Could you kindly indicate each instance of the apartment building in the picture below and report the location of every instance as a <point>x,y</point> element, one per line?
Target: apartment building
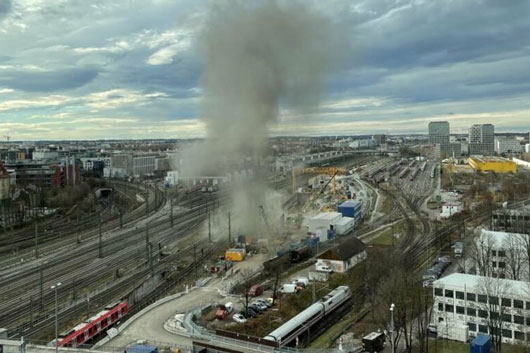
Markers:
<point>482,139</point>
<point>484,305</point>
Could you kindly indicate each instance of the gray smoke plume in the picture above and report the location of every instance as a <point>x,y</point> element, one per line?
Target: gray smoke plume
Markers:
<point>259,56</point>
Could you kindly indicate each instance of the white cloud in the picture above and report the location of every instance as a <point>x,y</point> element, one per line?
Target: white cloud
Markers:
<point>6,90</point>
<point>164,56</point>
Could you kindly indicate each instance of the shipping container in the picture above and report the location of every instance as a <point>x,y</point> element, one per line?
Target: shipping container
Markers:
<point>481,344</point>
<point>235,254</point>
<point>142,348</point>
<point>349,208</point>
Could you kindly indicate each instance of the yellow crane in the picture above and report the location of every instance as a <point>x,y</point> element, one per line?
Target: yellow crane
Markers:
<point>331,171</point>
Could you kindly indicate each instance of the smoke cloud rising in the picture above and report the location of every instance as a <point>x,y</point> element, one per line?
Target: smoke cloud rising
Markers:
<point>259,57</point>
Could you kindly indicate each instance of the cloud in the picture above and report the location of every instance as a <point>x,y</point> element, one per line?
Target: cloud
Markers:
<point>48,81</point>
<point>5,8</point>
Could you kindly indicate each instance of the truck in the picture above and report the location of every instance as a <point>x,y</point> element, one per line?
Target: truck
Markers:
<point>374,342</point>
<point>458,248</point>
<point>255,290</point>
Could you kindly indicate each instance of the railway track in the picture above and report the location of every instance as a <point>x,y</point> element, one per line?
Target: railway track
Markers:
<point>69,270</point>
<point>67,232</point>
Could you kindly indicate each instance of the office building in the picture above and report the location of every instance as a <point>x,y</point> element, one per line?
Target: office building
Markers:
<point>439,138</point>
<point>475,301</point>
<point>507,145</point>
<point>482,139</point>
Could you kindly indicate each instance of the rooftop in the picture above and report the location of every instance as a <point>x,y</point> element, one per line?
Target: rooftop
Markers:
<point>467,281</point>
<point>490,159</point>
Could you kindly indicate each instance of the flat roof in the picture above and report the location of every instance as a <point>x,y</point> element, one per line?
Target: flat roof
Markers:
<point>489,159</point>
<point>468,281</point>
<point>327,215</point>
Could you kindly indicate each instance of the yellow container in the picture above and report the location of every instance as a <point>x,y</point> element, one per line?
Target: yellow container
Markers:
<point>235,255</point>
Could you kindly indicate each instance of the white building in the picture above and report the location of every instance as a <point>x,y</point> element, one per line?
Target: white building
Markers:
<point>504,254</point>
<point>88,163</point>
<point>451,208</point>
<point>44,154</point>
<point>477,302</point>
<point>507,145</point>
<point>521,163</point>
<point>343,257</point>
<point>364,143</point>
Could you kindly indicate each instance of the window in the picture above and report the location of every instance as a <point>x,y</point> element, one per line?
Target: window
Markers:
<point>449,308</point>
<point>506,317</point>
<point>527,305</point>
<point>501,253</point>
<point>440,307</point>
<point>460,310</point>
<point>502,264</point>
<point>471,297</point>
<point>494,252</point>
<point>507,333</point>
<point>459,295</point>
<point>506,302</point>
<point>440,319</point>
<point>518,335</point>
<point>484,299</point>
<point>483,314</point>
<point>449,293</point>
<point>528,321</point>
<point>471,312</point>
<point>438,292</point>
<point>494,315</point>
<point>494,300</point>
<point>494,264</point>
<point>483,328</point>
<point>518,320</point>
<point>518,304</point>
<point>472,326</point>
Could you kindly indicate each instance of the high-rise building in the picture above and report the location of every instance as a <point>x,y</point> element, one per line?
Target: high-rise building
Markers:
<point>482,139</point>
<point>439,137</point>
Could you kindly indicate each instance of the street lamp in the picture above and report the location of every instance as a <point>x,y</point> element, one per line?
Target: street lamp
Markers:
<point>55,287</point>
<point>392,306</point>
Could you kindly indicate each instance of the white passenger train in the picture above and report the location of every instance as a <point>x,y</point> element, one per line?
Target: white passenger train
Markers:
<point>303,321</point>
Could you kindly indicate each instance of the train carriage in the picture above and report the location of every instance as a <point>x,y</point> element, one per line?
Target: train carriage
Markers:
<point>87,330</point>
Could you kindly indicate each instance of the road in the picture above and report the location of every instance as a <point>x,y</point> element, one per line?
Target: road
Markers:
<point>150,326</point>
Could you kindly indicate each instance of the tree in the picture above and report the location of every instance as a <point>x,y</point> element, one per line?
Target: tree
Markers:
<point>482,253</point>
<point>496,290</point>
<point>516,255</point>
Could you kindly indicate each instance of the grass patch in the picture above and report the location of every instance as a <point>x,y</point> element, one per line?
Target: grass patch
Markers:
<point>386,205</point>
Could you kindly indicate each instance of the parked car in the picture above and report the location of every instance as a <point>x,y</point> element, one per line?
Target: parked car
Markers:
<point>239,318</point>
<point>264,301</point>
<point>256,308</point>
<point>290,288</point>
<point>255,290</point>
<point>298,284</point>
<point>323,268</point>
<point>250,313</point>
<point>221,313</point>
<point>260,305</point>
<point>446,259</point>
<point>303,280</point>
<point>229,307</point>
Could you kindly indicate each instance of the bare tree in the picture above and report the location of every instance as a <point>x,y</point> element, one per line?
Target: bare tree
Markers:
<point>495,290</point>
<point>516,255</point>
<point>482,253</point>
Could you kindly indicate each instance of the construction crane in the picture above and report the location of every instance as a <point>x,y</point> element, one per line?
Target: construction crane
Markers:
<point>331,171</point>
<point>7,136</point>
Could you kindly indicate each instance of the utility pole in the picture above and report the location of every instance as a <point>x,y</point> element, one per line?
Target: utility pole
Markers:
<point>146,200</point>
<point>392,328</point>
<point>150,252</point>
<point>31,311</point>
<point>73,290</point>
<point>229,230</point>
<point>209,228</point>
<point>36,240</point>
<point>41,277</point>
<point>171,211</point>
<point>77,227</point>
<point>195,259</point>
<point>121,217</point>
<point>147,241</point>
<point>100,238</point>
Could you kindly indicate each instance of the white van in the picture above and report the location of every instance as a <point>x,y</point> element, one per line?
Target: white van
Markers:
<point>229,307</point>
<point>323,268</point>
<point>303,280</point>
<point>288,288</point>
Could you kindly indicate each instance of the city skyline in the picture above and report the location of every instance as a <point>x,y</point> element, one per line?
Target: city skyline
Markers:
<point>139,76</point>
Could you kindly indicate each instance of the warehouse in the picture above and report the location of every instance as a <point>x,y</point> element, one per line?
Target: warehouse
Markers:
<point>344,256</point>
<point>462,307</point>
<point>492,164</point>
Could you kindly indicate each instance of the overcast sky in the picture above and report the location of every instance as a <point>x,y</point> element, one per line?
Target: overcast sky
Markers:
<point>90,69</point>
